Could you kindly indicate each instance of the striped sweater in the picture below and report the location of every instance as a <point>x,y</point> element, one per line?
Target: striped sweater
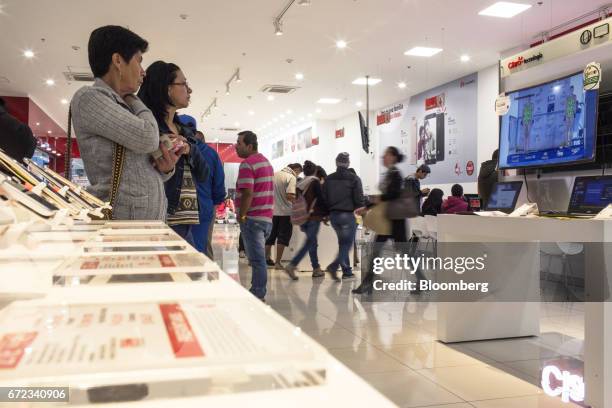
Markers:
<point>256,173</point>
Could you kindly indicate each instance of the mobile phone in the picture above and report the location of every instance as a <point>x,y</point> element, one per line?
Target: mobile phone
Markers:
<point>167,142</point>
<point>440,140</point>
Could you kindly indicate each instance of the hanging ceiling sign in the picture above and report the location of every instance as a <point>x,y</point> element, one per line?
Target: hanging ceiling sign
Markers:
<point>591,36</point>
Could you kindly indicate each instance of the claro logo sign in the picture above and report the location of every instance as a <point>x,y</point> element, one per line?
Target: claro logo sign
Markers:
<point>522,60</point>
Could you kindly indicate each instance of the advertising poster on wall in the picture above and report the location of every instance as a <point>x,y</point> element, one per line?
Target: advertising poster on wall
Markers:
<point>278,149</point>
<point>437,128</point>
<point>293,143</point>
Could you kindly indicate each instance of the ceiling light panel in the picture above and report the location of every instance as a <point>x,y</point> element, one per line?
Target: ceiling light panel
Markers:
<point>370,81</point>
<point>504,9</point>
<point>423,51</point>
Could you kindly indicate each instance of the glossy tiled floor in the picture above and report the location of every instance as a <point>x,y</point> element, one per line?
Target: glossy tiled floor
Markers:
<point>393,347</point>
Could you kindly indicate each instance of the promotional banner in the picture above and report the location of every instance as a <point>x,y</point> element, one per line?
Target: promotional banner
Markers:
<point>437,128</point>
<point>295,142</point>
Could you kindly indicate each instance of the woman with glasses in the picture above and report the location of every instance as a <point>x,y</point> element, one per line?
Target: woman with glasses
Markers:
<point>165,90</point>
<point>113,126</point>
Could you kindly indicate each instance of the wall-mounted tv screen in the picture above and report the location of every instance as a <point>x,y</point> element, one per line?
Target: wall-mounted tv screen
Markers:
<point>550,124</point>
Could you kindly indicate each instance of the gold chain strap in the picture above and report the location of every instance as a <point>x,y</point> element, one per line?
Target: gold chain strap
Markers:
<point>118,159</point>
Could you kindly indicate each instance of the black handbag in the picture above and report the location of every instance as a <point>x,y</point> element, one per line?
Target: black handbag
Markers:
<point>406,206</point>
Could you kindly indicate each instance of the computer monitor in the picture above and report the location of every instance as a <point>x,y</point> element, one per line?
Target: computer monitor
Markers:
<point>590,194</point>
<point>550,124</point>
<point>474,202</point>
<point>504,196</point>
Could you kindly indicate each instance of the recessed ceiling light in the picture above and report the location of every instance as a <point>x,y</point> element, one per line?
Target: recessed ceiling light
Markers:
<point>53,151</point>
<point>358,103</point>
<point>251,113</point>
<point>237,124</point>
<point>28,54</point>
<point>465,58</point>
<point>37,123</point>
<point>370,81</point>
<point>318,110</point>
<point>423,51</point>
<point>329,101</point>
<point>504,9</point>
<point>401,85</point>
<point>270,97</point>
<point>299,76</point>
<point>50,82</point>
<point>48,131</point>
<point>59,154</point>
<point>64,101</point>
<point>341,44</point>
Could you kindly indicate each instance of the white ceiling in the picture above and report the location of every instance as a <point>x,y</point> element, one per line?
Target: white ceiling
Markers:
<point>219,36</point>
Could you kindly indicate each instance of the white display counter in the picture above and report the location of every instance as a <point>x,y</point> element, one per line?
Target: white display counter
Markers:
<point>491,320</point>
<point>240,361</point>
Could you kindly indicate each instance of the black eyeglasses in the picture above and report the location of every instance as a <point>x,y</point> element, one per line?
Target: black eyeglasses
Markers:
<point>185,84</point>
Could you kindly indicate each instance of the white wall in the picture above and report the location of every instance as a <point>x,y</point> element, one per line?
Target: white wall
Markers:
<point>368,166</point>
<point>487,130</point>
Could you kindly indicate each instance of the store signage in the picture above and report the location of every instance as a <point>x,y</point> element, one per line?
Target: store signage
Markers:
<point>469,168</point>
<point>387,115</point>
<point>502,104</point>
<point>592,76</point>
<point>339,133</point>
<point>522,60</point>
<point>586,37</point>
<point>435,102</point>
<point>557,383</point>
<point>591,36</point>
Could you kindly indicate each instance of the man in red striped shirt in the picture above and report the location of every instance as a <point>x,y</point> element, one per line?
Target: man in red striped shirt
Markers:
<point>255,204</point>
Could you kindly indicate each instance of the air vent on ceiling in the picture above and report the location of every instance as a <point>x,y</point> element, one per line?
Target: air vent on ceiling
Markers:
<point>226,129</point>
<point>279,89</point>
<point>79,76</point>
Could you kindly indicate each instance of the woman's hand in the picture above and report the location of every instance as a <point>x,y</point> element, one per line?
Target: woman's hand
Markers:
<point>166,162</point>
<point>181,140</point>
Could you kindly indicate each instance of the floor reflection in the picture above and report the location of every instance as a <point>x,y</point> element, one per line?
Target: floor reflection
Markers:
<point>392,345</point>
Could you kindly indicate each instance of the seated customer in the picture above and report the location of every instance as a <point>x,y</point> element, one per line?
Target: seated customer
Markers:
<point>433,204</point>
<point>456,202</point>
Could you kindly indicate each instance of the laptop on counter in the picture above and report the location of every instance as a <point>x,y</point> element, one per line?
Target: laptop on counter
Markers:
<point>474,202</point>
<point>590,195</point>
<point>504,196</point>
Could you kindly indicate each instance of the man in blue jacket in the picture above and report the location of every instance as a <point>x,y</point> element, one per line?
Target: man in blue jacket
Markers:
<point>210,193</point>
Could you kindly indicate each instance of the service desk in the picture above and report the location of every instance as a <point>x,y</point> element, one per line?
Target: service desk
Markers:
<point>491,320</point>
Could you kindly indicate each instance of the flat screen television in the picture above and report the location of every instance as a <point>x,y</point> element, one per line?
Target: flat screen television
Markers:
<point>551,124</point>
<point>365,138</point>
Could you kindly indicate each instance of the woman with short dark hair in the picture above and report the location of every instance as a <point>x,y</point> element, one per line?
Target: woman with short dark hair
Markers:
<point>116,130</point>
<point>164,91</point>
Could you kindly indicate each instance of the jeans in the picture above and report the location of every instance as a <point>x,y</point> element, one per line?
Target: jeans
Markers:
<point>345,226</point>
<point>311,229</point>
<point>200,234</point>
<point>254,235</point>
<point>185,231</point>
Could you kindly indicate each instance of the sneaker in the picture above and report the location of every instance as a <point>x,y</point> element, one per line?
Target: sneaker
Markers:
<point>317,273</point>
<point>278,266</point>
<point>290,270</point>
<point>269,262</point>
<point>333,274</point>
<point>347,276</point>
<point>242,254</point>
